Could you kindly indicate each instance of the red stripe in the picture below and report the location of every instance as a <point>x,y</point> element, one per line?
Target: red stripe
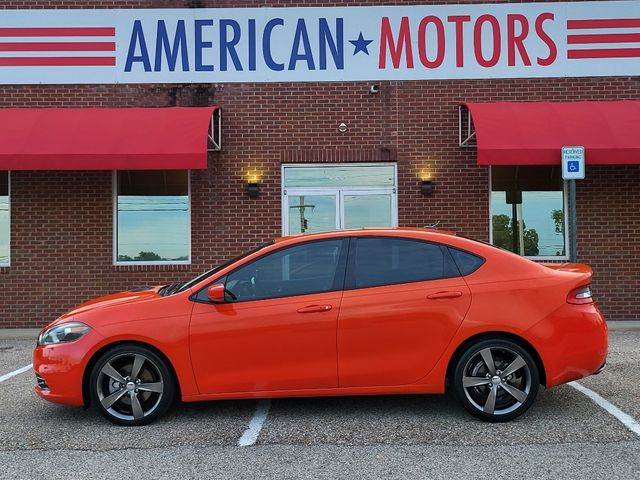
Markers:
<point>57,61</point>
<point>59,32</point>
<point>604,38</point>
<point>57,47</point>
<point>604,53</point>
<point>604,23</point>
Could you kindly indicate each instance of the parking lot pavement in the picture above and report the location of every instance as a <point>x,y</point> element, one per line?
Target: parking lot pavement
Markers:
<point>620,382</point>
<point>15,354</point>
<point>564,435</point>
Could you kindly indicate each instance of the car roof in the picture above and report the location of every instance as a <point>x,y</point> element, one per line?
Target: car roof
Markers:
<point>395,231</point>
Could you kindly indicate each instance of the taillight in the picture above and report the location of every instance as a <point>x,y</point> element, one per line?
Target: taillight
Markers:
<point>580,296</point>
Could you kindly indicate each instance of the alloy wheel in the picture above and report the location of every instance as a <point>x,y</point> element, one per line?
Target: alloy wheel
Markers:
<point>496,380</point>
<point>130,386</point>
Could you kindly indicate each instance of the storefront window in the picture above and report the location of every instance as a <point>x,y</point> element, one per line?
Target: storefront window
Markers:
<point>318,198</point>
<point>153,221</point>
<point>4,218</point>
<point>528,210</point>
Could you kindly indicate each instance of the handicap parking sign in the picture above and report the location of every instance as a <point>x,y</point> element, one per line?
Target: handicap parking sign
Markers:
<point>573,163</point>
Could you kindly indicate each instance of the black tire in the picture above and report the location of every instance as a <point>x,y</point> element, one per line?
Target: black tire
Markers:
<point>128,397</point>
<point>498,392</point>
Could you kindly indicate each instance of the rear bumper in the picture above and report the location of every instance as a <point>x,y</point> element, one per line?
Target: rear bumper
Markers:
<point>572,342</point>
<point>604,365</point>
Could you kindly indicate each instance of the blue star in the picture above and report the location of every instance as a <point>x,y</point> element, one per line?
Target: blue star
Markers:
<point>360,44</point>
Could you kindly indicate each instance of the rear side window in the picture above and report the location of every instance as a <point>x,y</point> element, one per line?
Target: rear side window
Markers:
<point>467,262</point>
<point>376,261</point>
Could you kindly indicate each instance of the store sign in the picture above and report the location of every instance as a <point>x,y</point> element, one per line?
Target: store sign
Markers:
<point>210,45</point>
<point>573,163</point>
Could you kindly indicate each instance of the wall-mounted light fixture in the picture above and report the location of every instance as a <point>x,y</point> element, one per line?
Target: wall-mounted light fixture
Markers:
<point>426,187</point>
<point>253,189</point>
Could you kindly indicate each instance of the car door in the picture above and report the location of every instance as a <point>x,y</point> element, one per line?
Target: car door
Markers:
<point>404,299</point>
<point>280,331</point>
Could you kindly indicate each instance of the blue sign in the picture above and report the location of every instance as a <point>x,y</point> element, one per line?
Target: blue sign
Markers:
<point>573,166</point>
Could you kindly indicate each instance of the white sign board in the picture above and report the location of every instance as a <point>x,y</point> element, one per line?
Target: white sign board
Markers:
<point>573,163</point>
<point>320,44</point>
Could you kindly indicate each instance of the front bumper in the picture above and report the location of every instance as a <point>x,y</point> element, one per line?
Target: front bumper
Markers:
<point>61,369</point>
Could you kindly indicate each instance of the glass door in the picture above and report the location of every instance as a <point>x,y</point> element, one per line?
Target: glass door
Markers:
<point>367,208</point>
<point>307,211</point>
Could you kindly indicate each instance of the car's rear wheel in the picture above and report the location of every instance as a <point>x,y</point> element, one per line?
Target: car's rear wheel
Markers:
<point>496,380</point>
<point>131,385</point>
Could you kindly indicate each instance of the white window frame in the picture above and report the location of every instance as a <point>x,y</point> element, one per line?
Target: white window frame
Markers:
<point>338,192</point>
<point>542,258</point>
<point>115,227</point>
<point>8,262</point>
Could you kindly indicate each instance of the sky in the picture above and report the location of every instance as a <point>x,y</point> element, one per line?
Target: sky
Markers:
<point>156,224</point>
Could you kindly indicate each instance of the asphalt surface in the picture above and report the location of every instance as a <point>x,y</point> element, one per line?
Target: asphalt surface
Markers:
<point>564,435</point>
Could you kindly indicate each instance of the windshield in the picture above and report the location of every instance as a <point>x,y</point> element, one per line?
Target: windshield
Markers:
<point>213,271</point>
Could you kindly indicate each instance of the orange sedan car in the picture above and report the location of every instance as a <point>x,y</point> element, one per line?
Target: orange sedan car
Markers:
<point>355,312</point>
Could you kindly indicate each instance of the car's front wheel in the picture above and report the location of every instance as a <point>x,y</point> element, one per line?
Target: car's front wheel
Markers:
<point>131,385</point>
<point>496,380</point>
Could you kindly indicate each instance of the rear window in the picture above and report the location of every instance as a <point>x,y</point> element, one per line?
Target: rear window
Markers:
<point>467,262</point>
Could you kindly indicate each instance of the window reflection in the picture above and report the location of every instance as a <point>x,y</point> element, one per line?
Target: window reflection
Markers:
<point>528,215</point>
<point>340,176</point>
<point>4,218</point>
<point>327,197</point>
<point>153,220</point>
<point>311,213</point>
<point>370,210</point>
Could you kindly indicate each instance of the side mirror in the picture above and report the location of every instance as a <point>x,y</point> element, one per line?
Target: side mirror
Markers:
<point>216,293</point>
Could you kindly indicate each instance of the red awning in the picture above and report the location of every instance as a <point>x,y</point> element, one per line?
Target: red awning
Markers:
<point>533,133</point>
<point>104,138</point>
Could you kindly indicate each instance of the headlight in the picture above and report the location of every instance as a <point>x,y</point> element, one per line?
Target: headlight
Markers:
<point>65,332</point>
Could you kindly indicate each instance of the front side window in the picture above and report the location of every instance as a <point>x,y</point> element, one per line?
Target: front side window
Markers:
<point>312,267</point>
<point>152,217</point>
<point>4,218</point>
<point>318,198</point>
<point>388,261</point>
<point>528,210</point>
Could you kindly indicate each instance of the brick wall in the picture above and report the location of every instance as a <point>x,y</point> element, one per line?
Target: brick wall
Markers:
<point>61,236</point>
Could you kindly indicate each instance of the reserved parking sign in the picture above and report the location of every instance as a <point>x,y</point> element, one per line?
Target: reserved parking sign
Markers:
<point>573,163</point>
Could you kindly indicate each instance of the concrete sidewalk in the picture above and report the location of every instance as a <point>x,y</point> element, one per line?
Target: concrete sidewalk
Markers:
<point>32,333</point>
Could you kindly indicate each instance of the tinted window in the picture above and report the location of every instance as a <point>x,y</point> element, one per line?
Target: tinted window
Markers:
<point>467,262</point>
<point>312,267</point>
<point>387,261</point>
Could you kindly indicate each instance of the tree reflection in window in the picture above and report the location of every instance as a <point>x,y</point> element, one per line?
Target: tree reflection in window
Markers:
<point>527,204</point>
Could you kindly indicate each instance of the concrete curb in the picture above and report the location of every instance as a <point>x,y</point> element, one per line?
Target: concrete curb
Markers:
<point>32,333</point>
<point>19,334</point>
<point>624,325</point>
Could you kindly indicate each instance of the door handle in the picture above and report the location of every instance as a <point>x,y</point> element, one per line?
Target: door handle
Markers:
<point>314,308</point>
<point>438,295</point>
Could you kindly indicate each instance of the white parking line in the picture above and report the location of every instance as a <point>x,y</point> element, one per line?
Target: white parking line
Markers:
<point>626,419</point>
<point>250,435</point>
<point>16,372</point>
